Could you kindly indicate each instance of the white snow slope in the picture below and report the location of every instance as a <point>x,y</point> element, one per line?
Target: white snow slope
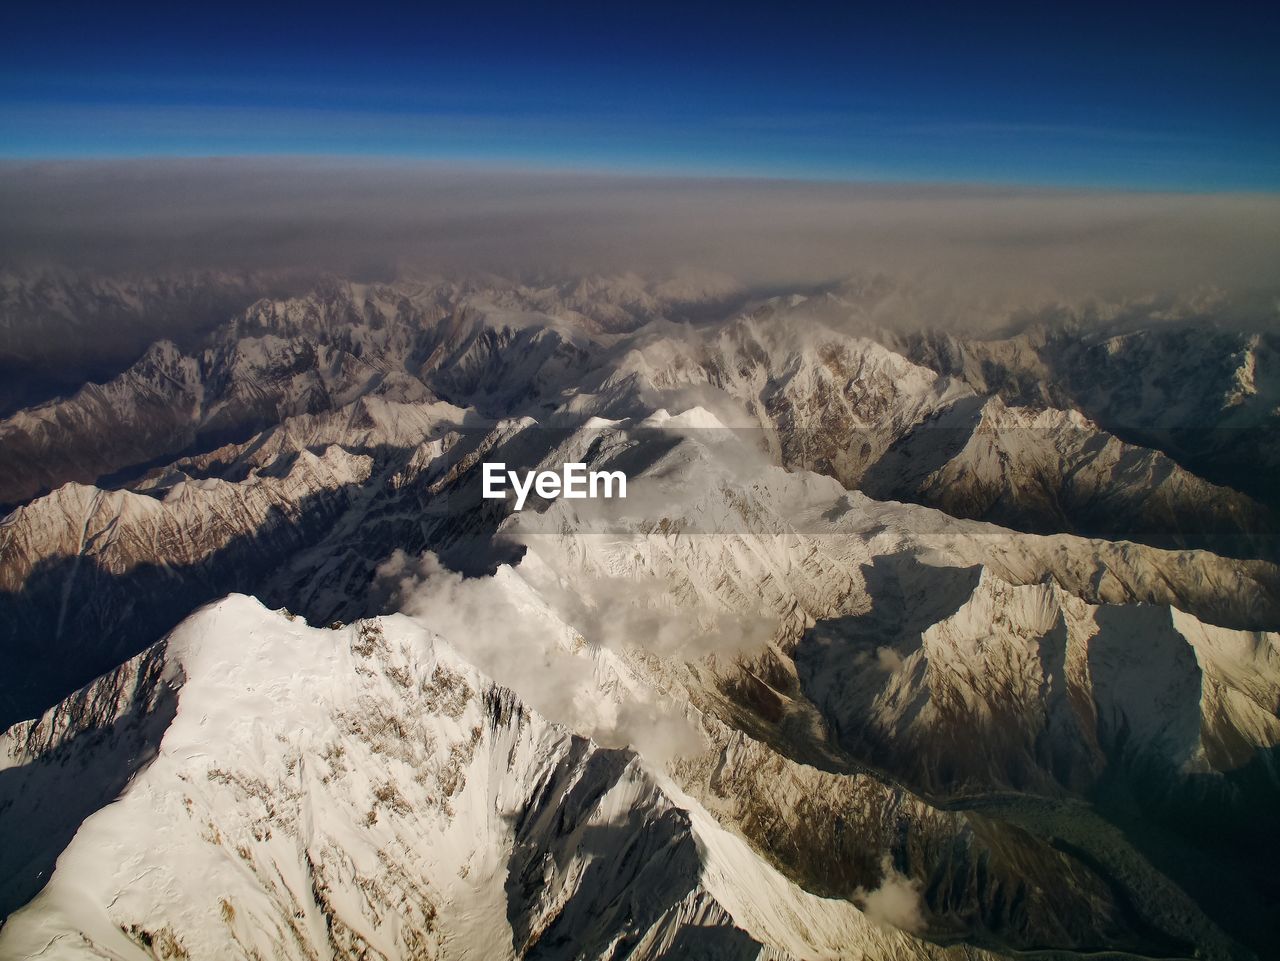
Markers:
<point>364,792</point>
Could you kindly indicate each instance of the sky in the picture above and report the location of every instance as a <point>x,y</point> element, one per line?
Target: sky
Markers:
<point>1135,96</point>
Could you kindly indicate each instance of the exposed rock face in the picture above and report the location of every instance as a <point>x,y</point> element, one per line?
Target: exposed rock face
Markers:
<point>797,696</point>
<point>52,322</point>
<point>86,564</point>
<point>825,400</point>
<point>390,802</point>
<point>1208,397</point>
<point>1055,689</point>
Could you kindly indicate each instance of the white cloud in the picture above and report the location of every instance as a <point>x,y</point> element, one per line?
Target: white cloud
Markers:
<point>896,902</point>
<point>509,632</point>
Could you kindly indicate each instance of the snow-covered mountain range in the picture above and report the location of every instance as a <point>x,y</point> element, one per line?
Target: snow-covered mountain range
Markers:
<point>901,645</point>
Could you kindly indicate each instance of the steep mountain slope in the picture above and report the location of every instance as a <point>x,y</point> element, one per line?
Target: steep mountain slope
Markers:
<point>116,565</point>
<point>824,400</point>
<point>103,574</point>
<point>853,409</point>
<point>1048,470</point>
<point>1055,687</point>
<point>1209,396</point>
<point>60,328</point>
<point>1168,726</point>
<point>390,802</point>
<point>491,343</point>
<point>798,553</point>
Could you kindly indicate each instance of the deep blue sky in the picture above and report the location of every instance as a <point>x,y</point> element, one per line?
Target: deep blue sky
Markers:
<point>1165,96</point>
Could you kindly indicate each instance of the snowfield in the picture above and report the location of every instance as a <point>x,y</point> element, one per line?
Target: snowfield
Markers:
<point>366,791</point>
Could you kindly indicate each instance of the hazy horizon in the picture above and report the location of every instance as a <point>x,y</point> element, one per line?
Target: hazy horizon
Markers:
<point>377,220</point>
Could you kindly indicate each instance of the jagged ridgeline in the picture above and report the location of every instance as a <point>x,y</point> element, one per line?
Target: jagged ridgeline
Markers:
<point>899,646</point>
